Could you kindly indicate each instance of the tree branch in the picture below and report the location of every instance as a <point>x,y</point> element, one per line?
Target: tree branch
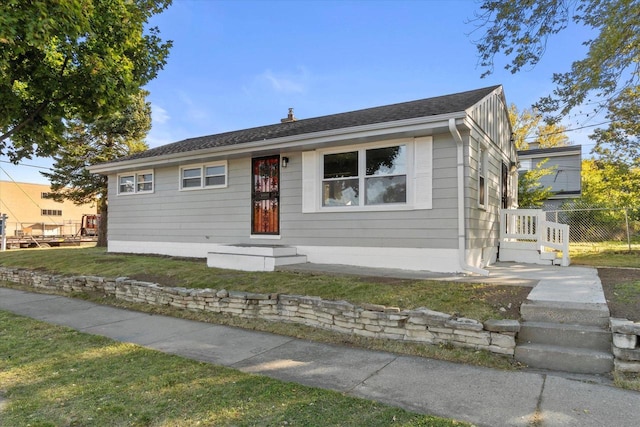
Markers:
<point>25,122</point>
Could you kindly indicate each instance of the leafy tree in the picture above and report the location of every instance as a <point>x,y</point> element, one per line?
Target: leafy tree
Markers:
<point>607,77</point>
<point>611,185</point>
<point>606,188</point>
<point>620,141</point>
<point>528,125</point>
<point>105,139</point>
<point>532,194</point>
<point>71,60</point>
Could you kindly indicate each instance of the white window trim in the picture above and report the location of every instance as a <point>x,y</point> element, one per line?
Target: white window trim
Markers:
<point>419,176</point>
<point>483,161</point>
<point>203,167</point>
<point>135,182</point>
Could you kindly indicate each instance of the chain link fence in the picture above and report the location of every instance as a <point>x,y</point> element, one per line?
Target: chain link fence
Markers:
<point>598,226</point>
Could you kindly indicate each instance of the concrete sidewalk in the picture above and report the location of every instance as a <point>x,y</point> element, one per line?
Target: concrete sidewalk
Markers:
<point>484,397</point>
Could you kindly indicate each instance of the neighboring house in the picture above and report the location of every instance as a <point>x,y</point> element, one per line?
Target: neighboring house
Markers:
<point>415,185</point>
<point>565,181</point>
<point>30,213</point>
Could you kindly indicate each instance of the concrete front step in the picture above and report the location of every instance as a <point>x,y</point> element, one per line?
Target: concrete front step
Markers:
<point>565,335</point>
<point>254,258</point>
<point>259,250</point>
<point>589,314</point>
<point>555,258</point>
<point>567,359</point>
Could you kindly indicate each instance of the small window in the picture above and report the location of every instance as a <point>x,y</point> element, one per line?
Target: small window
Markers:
<point>51,212</point>
<point>215,176</point>
<point>482,181</point>
<point>145,182</point>
<point>140,182</point>
<point>44,195</point>
<point>126,184</point>
<point>212,175</point>
<point>191,178</point>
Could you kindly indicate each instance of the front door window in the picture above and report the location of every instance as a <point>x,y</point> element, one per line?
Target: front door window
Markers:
<point>265,198</point>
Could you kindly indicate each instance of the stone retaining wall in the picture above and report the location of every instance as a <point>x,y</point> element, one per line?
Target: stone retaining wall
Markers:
<point>376,321</point>
<point>626,345</point>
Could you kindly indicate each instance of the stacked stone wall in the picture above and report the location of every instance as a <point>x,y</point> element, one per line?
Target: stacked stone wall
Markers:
<point>369,320</point>
<point>626,345</point>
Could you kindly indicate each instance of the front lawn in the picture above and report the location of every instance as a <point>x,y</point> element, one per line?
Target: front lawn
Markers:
<point>54,376</point>
<point>605,254</point>
<point>476,301</point>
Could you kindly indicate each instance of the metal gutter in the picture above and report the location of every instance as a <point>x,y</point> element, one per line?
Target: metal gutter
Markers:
<point>461,220</point>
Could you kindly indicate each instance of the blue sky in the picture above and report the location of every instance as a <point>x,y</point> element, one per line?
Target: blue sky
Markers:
<point>240,64</point>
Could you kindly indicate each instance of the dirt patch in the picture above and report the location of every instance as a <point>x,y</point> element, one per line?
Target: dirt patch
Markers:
<point>506,299</point>
<point>622,291</point>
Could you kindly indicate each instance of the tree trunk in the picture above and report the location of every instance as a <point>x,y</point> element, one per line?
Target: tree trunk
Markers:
<point>102,226</point>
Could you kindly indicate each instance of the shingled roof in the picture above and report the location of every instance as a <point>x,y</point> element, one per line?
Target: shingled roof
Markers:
<point>388,113</point>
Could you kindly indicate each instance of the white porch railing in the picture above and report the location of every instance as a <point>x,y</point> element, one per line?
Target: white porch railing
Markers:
<point>520,228</point>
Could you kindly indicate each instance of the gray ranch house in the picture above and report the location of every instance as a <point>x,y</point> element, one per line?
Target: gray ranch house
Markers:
<point>417,185</point>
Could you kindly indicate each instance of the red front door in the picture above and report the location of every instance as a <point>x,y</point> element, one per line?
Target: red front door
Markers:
<point>265,195</point>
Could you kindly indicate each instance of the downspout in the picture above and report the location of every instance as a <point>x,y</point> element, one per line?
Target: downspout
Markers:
<point>461,228</point>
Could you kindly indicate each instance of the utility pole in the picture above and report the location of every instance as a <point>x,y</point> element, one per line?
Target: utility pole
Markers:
<point>3,231</point>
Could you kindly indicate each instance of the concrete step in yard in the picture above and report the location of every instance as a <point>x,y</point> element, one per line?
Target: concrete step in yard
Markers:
<point>588,314</point>
<point>565,335</point>
<point>254,257</point>
<point>567,359</point>
<point>554,258</point>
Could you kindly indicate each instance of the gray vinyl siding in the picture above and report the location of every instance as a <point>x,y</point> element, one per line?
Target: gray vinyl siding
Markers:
<point>224,215</point>
<point>216,215</point>
<point>482,222</point>
<point>491,115</point>
<point>566,176</point>
<point>433,228</point>
<point>494,129</point>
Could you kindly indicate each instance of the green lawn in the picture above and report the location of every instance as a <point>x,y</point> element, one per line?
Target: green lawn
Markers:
<point>54,376</point>
<point>605,254</point>
<point>468,300</point>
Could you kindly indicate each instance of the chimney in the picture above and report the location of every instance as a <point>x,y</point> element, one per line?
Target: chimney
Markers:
<point>290,117</point>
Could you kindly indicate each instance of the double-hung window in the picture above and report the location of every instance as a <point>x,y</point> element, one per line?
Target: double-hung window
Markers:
<point>144,182</point>
<point>365,177</point>
<point>211,175</point>
<point>482,177</point>
<point>135,182</point>
<point>192,177</point>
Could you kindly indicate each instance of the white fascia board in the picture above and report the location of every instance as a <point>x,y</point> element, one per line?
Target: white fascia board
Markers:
<point>290,142</point>
<point>566,153</point>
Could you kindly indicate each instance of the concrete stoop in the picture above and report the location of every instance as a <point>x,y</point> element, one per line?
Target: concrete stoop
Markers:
<point>566,359</point>
<point>570,337</point>
<point>254,257</point>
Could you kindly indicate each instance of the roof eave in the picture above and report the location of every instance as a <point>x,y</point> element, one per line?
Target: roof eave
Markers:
<point>310,141</point>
